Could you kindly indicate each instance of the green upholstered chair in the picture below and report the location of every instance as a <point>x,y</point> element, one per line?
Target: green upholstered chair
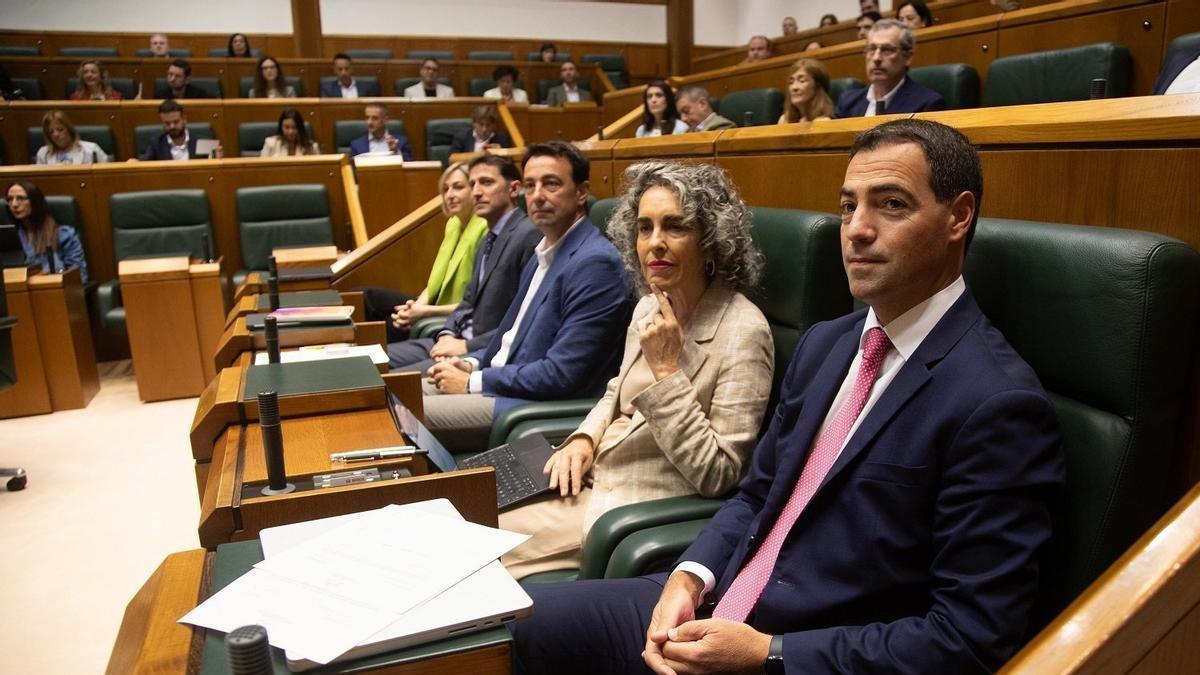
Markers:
<point>345,131</point>
<point>174,52</point>
<point>125,85</point>
<point>64,209</point>
<point>439,134</point>
<point>80,52</point>
<point>489,55</point>
<point>31,87</point>
<point>152,224</point>
<point>1058,75</point>
<point>559,57</point>
<point>246,83</point>
<point>403,83</point>
<point>613,65</point>
<point>20,50</point>
<point>439,54</point>
<point>369,53</point>
<point>252,136</point>
<point>357,79</point>
<point>841,85</point>
<point>100,134</point>
<point>765,105</point>
<point>544,87</point>
<point>210,85</point>
<point>144,134</point>
<point>280,216</point>
<point>478,85</point>
<point>223,52</point>
<point>958,83</point>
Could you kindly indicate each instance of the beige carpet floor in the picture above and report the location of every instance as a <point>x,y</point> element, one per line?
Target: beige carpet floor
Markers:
<point>111,493</point>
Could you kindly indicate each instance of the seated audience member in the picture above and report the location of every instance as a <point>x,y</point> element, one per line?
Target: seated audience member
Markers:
<point>429,87</point>
<point>569,91</point>
<point>915,14</point>
<point>292,137</point>
<point>506,89</point>
<point>896,509</point>
<point>683,413</point>
<point>549,52</point>
<point>695,109</point>
<point>864,23</point>
<point>482,135</point>
<point>790,27</point>
<point>659,114</point>
<point>1006,5</point>
<point>175,143</point>
<point>158,46</point>
<point>269,81</point>
<point>345,86</point>
<point>179,81</point>
<point>63,144</point>
<point>43,240</point>
<point>758,48</point>
<point>814,44</point>
<point>828,20</point>
<point>890,48</point>
<point>807,93</point>
<point>93,84</point>
<point>559,337</point>
<point>239,47</point>
<point>495,271</point>
<point>378,140</point>
<point>1180,74</point>
<point>865,6</point>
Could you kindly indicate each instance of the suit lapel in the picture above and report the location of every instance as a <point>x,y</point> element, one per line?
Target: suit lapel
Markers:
<point>498,247</point>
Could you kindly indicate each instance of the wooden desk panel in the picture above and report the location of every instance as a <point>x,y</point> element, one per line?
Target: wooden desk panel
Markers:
<point>151,639</point>
<point>31,393</point>
<point>160,318</point>
<point>308,442</point>
<point>399,257</point>
<point>388,193</point>
<point>66,339</point>
<point>208,304</point>
<point>572,122</point>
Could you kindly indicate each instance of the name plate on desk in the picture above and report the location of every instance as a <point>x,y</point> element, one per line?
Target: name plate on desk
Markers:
<point>305,387</point>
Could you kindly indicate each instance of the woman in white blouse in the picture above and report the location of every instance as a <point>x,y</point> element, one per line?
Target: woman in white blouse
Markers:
<point>659,114</point>
<point>505,89</point>
<point>63,145</point>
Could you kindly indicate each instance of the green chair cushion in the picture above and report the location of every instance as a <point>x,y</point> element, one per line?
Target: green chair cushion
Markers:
<point>958,83</point>
<point>654,549</point>
<point>427,327</point>
<point>601,211</point>
<point>551,577</point>
<point>439,54</point>
<point>88,51</point>
<point>159,222</point>
<point>20,50</point>
<point>223,52</point>
<point>540,410</point>
<point>31,87</point>
<point>281,216</point>
<point>439,134</point>
<point>614,62</point>
<point>488,55</point>
<point>766,105</point>
<point>616,525</point>
<point>369,53</point>
<point>1058,75</point>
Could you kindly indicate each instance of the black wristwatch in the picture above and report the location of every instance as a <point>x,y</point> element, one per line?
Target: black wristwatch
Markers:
<point>774,663</point>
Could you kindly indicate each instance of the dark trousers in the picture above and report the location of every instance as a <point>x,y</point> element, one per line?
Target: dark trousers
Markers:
<point>595,626</point>
<point>379,304</point>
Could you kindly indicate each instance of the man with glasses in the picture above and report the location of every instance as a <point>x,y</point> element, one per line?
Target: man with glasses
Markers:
<point>889,52</point>
<point>429,87</point>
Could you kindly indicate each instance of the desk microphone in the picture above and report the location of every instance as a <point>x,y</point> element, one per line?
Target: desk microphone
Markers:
<point>748,119</point>
<point>249,651</point>
<point>51,269</point>
<point>600,132</point>
<point>273,283</point>
<point>1098,89</point>
<point>271,328</point>
<point>272,440</point>
<point>206,247</point>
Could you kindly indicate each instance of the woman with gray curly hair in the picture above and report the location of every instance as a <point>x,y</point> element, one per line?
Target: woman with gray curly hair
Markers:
<point>683,413</point>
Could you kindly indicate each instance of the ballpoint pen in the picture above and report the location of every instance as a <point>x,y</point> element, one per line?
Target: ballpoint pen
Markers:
<point>373,454</point>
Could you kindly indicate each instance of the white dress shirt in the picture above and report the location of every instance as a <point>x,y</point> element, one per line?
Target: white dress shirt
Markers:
<point>379,146</point>
<point>887,98</point>
<point>350,91</point>
<point>1187,81</point>
<point>180,152</point>
<point>572,92</point>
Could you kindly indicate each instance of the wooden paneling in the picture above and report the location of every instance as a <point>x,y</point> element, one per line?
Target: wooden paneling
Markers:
<point>572,122</point>
<point>151,639</point>
<point>161,321</point>
<point>399,257</point>
<point>65,339</point>
<point>1182,18</point>
<point>388,193</point>
<point>31,394</point>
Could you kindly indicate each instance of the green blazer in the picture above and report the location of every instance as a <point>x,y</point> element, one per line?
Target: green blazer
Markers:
<point>455,260</point>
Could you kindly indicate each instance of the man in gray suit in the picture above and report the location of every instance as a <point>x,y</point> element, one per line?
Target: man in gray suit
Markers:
<point>695,109</point>
<point>569,91</point>
<point>501,256</point>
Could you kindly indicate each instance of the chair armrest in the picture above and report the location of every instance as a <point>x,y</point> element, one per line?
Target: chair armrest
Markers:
<point>652,550</point>
<point>612,528</point>
<point>554,430</point>
<point>108,298</point>
<point>427,327</point>
<point>503,425</point>
<point>7,322</point>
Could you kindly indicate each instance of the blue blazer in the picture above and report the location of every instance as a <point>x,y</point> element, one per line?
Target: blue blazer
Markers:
<point>569,343</point>
<point>160,149</point>
<point>68,254</point>
<point>362,145</point>
<point>334,90</point>
<point>1175,65</point>
<point>919,551</point>
<point>911,98</point>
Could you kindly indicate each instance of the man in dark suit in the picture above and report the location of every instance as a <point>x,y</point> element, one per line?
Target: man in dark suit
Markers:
<point>378,140</point>
<point>179,81</point>
<point>175,142</point>
<point>344,85</point>
<point>890,48</point>
<point>895,510</point>
<point>560,336</point>
<point>495,184</point>
<point>569,90</point>
<point>482,135</point>
<point>1181,72</point>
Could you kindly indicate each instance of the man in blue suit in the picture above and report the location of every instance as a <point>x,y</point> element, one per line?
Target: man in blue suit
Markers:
<point>343,84</point>
<point>561,335</point>
<point>889,52</point>
<point>894,511</point>
<point>1181,73</point>
<point>176,142</point>
<point>378,140</point>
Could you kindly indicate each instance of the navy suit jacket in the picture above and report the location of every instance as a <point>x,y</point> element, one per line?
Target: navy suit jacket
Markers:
<point>334,90</point>
<point>362,145</point>
<point>919,551</point>
<point>160,149</point>
<point>911,98</point>
<point>1175,65</point>
<point>569,343</point>
<point>464,141</point>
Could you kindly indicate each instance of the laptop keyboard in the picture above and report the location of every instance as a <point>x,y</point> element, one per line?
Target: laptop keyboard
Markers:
<point>513,482</point>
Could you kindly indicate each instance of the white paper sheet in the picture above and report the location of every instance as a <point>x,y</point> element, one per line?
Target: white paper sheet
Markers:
<point>326,352</point>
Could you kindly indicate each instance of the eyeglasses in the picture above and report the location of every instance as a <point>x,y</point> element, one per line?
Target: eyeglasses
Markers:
<point>16,199</point>
<point>884,50</point>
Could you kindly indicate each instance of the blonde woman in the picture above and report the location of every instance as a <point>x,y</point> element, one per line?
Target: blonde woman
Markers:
<point>63,144</point>
<point>93,83</point>
<point>807,94</point>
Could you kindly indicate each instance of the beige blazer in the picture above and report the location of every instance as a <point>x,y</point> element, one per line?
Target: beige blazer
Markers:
<point>274,146</point>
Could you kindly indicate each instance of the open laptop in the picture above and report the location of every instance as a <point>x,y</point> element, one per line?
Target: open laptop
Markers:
<point>518,464</point>
<point>11,253</point>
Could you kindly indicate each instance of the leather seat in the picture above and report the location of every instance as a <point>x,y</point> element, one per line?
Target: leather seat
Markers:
<point>125,85</point>
<point>81,52</point>
<point>252,136</point>
<point>357,79</point>
<point>280,216</point>
<point>345,131</point>
<point>489,55</point>
<point>403,83</point>
<point>958,83</point>
<point>247,82</point>
<point>175,53</point>
<point>613,66</point>
<point>559,57</point>
<point>369,53</point>
<point>31,87</point>
<point>840,85</point>
<point>152,224</point>
<point>544,87</point>
<point>223,52</point>
<point>439,134</point>
<point>210,85</point>
<point>421,54</point>
<point>1058,75</point>
<point>144,134</point>
<point>19,50</point>
<point>100,134</point>
<point>765,105</point>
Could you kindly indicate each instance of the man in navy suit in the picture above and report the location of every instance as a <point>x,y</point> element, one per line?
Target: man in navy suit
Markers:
<point>482,135</point>
<point>894,511</point>
<point>378,140</point>
<point>175,142</point>
<point>561,336</point>
<point>1181,73</point>
<point>889,52</point>
<point>343,85</point>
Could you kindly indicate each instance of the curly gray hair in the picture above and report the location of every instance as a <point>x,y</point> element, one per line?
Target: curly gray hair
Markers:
<point>710,203</point>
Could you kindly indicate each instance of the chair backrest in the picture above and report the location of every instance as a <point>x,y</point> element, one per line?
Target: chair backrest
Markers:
<point>544,87</point>
<point>958,83</point>
<point>558,56</point>
<point>345,131</point>
<point>1058,75</point>
<point>88,51</point>
<point>20,50</point>
<point>100,134</point>
<point>159,223</point>
<point>281,216</point>
<point>246,83</point>
<point>144,134</point>
<point>31,87</point>
<point>252,136</point>
<point>479,85</point>
<point>439,134</point>
<point>614,62</point>
<point>841,85</point>
<point>125,85</point>
<point>175,53</point>
<point>766,105</point>
<point>65,209</point>
<point>601,211</point>
<point>489,55</point>
<point>1108,320</point>
<point>368,53</point>
<point>220,52</point>
<point>439,54</point>
<point>210,85</point>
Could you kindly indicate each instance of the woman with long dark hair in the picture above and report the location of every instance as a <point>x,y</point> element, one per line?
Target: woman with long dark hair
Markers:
<point>55,247</point>
<point>269,81</point>
<point>239,46</point>
<point>292,138</point>
<point>659,115</point>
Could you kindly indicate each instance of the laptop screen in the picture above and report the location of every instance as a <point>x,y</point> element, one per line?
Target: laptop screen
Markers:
<point>421,436</point>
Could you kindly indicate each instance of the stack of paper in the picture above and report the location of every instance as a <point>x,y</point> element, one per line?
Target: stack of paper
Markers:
<point>331,585</point>
<point>322,352</point>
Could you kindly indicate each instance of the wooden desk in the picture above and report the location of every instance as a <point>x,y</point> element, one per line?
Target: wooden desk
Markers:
<point>238,338</point>
<point>52,344</point>
<point>174,310</point>
<point>258,302</point>
<point>388,193</point>
<point>305,256</point>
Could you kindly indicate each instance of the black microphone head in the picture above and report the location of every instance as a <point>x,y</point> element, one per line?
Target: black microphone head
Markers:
<point>268,408</point>
<point>1099,88</point>
<point>272,268</point>
<point>249,651</point>
<point>748,119</point>
<point>600,131</point>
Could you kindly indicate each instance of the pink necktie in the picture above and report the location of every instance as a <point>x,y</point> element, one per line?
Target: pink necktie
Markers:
<point>749,583</point>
